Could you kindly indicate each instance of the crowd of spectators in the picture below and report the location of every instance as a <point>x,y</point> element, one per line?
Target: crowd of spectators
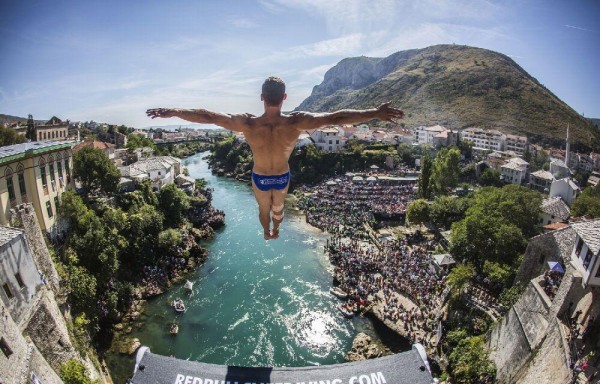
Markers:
<point>368,274</point>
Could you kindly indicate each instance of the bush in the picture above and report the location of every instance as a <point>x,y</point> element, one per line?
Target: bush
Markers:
<point>74,372</point>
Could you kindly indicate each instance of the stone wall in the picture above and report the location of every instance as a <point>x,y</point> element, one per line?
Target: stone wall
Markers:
<point>25,358</point>
<point>48,330</point>
<point>551,246</point>
<point>25,217</point>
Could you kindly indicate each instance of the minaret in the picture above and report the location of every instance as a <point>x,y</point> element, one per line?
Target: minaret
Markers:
<point>568,148</point>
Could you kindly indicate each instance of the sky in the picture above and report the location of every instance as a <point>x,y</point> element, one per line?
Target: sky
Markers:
<point>109,61</point>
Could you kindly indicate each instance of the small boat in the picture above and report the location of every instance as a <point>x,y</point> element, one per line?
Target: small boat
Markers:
<point>178,305</point>
<point>174,329</point>
<point>188,285</point>
<point>342,308</point>
<point>339,293</point>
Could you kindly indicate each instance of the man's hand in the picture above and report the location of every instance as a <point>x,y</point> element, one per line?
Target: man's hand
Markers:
<point>387,113</point>
<point>161,112</point>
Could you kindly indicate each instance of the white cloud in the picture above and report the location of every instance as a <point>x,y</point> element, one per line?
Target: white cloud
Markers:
<point>242,22</point>
<point>344,45</point>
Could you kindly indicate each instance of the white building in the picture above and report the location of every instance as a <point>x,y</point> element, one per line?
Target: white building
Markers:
<point>566,189</point>
<point>514,171</point>
<point>425,135</point>
<point>303,140</point>
<point>328,139</point>
<point>586,252</point>
<point>486,139</point>
<point>541,181</point>
<point>159,170</point>
<point>516,143</point>
<point>554,210</point>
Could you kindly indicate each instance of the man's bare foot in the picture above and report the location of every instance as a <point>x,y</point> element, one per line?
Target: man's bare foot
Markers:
<point>275,233</point>
<point>267,235</point>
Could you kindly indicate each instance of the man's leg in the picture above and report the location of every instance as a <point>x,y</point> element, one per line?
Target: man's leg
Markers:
<point>263,198</point>
<point>277,209</point>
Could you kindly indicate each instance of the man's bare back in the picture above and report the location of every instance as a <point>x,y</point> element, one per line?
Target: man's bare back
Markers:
<point>272,138</point>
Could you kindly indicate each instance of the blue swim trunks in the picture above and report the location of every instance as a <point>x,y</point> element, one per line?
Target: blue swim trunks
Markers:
<point>266,183</point>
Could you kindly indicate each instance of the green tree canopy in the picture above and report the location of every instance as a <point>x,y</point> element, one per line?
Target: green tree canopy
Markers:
<point>94,170</point>
<point>459,277</point>
<point>469,361</point>
<point>30,133</point>
<point>74,372</point>
<point>173,202</point>
<point>9,136</point>
<point>446,210</point>
<point>424,183</point>
<point>490,178</point>
<point>587,203</point>
<point>446,170</point>
<point>418,212</point>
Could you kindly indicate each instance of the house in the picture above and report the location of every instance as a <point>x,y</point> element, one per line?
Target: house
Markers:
<point>554,210</point>
<point>303,140</point>
<point>38,173</point>
<point>328,139</point>
<point>586,252</point>
<point>566,189</point>
<point>426,135</point>
<point>107,148</point>
<point>594,179</point>
<point>541,181</point>
<point>159,170</point>
<point>514,171</point>
<point>595,157</point>
<point>53,130</point>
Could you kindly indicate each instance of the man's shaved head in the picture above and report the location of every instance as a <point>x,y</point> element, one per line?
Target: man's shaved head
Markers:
<point>273,91</point>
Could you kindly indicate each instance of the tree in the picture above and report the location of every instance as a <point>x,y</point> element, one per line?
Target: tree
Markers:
<point>94,170</point>
<point>30,133</point>
<point>418,212</point>
<point>424,183</point>
<point>470,363</point>
<point>459,277</point>
<point>82,287</point>
<point>446,210</point>
<point>466,148</point>
<point>9,136</point>
<point>173,203</point>
<point>446,170</point>
<point>588,203</point>
<point>490,178</point>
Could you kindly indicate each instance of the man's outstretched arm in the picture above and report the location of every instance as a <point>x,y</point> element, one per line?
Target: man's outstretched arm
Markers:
<point>232,122</point>
<point>384,112</point>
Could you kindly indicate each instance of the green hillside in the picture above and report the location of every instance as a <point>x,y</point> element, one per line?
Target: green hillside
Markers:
<point>455,86</point>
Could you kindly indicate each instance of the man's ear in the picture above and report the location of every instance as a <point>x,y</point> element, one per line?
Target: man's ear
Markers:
<point>262,98</point>
<point>284,96</point>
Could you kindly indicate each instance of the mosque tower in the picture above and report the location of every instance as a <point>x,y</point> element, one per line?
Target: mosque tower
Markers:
<point>568,147</point>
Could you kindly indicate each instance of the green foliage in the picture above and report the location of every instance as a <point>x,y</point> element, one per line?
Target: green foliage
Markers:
<point>74,372</point>
<point>446,210</point>
<point>424,183</point>
<point>509,296</point>
<point>490,178</point>
<point>446,170</point>
<point>169,239</point>
<point>30,133</point>
<point>418,212</point>
<point>466,148</point>
<point>587,203</point>
<point>459,277</point>
<point>406,154</point>
<point>9,136</point>
<point>498,273</point>
<point>469,361</point>
<point>173,202</point>
<point>136,141</point>
<point>94,170</point>
<point>82,289</point>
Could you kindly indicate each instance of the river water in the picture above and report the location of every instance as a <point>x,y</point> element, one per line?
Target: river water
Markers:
<point>254,302</point>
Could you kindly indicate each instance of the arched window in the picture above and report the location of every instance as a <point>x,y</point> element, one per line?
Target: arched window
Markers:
<point>42,165</point>
<point>21,177</point>
<point>8,176</point>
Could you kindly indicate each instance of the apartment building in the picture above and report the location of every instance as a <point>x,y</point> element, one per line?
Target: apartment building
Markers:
<point>38,173</point>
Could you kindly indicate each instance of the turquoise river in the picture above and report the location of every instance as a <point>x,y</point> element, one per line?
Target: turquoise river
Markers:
<point>254,302</point>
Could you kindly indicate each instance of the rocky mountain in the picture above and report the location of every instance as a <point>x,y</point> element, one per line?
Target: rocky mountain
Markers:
<point>455,86</point>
